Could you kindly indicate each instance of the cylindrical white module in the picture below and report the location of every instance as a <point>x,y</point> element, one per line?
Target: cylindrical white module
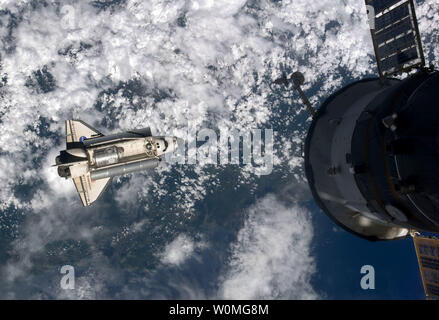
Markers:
<point>123,169</point>
<point>107,156</point>
<point>371,156</point>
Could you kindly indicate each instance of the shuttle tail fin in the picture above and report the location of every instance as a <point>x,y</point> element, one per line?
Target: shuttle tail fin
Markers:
<point>77,131</point>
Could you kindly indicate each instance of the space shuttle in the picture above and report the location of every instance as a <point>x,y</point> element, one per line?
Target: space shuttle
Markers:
<point>91,159</point>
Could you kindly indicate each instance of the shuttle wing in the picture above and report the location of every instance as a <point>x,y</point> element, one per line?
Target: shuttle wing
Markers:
<point>77,130</point>
<point>89,191</point>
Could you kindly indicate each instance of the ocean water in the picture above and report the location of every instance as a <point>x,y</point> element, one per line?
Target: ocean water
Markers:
<point>181,231</point>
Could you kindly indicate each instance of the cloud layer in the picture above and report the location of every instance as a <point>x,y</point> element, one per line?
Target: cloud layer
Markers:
<point>272,258</point>
<point>173,65</point>
<point>180,249</point>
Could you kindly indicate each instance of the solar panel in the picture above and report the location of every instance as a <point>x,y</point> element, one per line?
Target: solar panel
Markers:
<point>433,289</point>
<point>430,263</point>
<point>396,63</point>
<point>431,277</point>
<point>427,251</point>
<point>397,45</point>
<point>395,30</point>
<point>388,18</point>
<point>381,5</point>
<point>395,36</point>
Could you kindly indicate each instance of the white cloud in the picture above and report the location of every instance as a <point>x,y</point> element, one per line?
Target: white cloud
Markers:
<point>180,250</point>
<point>271,258</point>
<point>209,63</point>
<point>208,66</point>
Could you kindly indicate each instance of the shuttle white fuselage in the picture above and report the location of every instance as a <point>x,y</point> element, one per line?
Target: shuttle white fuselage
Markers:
<point>91,159</point>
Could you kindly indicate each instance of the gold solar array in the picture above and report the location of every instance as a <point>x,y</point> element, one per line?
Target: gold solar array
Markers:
<point>427,251</point>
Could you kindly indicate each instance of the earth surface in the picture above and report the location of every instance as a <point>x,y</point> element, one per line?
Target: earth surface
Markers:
<point>181,231</point>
